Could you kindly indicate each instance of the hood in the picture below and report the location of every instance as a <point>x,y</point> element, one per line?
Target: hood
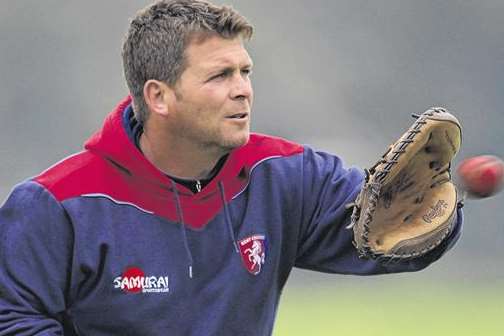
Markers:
<point>113,144</point>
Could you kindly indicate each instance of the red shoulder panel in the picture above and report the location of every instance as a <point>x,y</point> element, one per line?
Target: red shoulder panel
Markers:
<point>87,174</point>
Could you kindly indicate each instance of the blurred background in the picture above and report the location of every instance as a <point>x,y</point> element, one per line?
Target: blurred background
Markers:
<point>342,76</point>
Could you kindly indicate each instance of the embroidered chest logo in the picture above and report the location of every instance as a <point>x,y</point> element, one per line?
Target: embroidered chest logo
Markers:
<point>253,252</point>
<point>134,280</point>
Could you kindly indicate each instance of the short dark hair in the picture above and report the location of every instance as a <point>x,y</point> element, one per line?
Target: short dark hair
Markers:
<point>155,44</point>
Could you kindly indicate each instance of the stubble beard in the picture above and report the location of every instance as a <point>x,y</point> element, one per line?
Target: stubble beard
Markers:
<point>209,139</point>
<point>214,140</point>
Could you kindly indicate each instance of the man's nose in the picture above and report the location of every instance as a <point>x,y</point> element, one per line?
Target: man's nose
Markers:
<point>242,87</point>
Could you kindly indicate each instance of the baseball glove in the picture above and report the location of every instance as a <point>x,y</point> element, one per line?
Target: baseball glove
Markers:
<point>408,203</point>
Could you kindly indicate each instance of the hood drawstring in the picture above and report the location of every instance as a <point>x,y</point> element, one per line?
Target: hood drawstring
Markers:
<point>227,216</point>
<point>182,227</point>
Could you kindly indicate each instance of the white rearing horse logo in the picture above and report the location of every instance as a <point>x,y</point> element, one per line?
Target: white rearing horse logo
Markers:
<point>255,254</point>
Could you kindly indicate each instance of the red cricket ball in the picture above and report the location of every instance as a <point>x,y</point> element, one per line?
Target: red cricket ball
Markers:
<point>481,176</point>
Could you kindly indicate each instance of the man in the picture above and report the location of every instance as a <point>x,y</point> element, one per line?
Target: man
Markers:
<point>175,220</point>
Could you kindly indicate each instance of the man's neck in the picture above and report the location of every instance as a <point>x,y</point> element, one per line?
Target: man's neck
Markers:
<point>176,157</point>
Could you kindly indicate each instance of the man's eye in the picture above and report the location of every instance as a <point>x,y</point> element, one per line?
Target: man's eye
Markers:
<point>246,72</point>
<point>218,76</point>
<point>221,75</point>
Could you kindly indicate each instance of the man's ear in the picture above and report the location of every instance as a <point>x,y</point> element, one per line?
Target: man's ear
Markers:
<point>158,97</point>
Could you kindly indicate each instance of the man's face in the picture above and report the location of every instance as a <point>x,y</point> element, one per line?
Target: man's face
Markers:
<point>214,95</point>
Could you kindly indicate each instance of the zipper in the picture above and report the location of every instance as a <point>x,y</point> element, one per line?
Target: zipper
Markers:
<point>198,185</point>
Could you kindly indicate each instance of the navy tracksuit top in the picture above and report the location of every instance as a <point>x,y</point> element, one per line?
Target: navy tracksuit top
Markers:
<point>103,243</point>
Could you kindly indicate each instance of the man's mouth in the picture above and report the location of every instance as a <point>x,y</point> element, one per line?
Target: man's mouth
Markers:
<point>238,116</point>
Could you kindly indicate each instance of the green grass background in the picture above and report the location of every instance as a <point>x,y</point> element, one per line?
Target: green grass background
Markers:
<point>393,308</point>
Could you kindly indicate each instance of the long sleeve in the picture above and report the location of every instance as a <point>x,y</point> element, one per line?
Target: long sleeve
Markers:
<point>35,260</point>
<point>326,243</point>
